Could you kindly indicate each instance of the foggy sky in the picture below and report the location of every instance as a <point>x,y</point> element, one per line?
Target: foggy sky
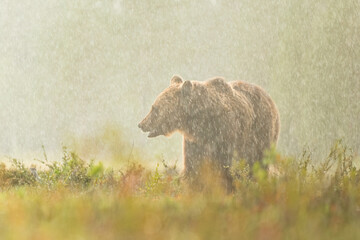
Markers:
<point>71,68</point>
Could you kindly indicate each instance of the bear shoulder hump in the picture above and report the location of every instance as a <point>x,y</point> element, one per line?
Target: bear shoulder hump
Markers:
<point>220,84</point>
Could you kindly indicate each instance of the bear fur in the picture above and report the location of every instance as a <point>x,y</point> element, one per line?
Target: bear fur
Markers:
<point>217,119</point>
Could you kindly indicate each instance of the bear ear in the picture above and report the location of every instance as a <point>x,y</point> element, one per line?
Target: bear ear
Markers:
<point>186,88</point>
<point>176,80</point>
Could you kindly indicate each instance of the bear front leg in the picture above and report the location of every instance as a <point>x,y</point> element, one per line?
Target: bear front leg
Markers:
<point>193,155</point>
<point>199,156</point>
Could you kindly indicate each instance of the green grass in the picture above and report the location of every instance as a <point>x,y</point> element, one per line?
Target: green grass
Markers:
<point>75,199</point>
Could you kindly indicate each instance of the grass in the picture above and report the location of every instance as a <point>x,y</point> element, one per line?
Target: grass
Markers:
<point>284,198</point>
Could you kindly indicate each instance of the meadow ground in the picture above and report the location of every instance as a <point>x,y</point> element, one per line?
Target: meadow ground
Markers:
<point>75,199</point>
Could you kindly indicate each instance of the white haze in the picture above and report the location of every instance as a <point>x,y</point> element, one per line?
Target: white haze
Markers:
<point>70,68</point>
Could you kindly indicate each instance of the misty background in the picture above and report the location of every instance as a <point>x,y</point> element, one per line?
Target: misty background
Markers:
<point>84,73</point>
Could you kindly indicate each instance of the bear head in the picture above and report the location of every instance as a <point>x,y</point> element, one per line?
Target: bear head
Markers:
<point>167,112</point>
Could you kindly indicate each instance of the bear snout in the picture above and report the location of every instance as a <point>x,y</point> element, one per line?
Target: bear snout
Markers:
<point>144,126</point>
<point>141,125</point>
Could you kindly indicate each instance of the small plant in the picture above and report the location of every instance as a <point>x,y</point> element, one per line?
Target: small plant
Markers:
<point>154,185</point>
<point>72,170</point>
<point>133,178</point>
<point>20,175</point>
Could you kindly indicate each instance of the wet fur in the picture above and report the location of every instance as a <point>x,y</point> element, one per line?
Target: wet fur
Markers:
<point>217,119</point>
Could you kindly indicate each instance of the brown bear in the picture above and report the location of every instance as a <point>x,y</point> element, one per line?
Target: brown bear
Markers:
<point>217,119</point>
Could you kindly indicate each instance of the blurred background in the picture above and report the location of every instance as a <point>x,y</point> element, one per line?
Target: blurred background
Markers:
<point>84,73</point>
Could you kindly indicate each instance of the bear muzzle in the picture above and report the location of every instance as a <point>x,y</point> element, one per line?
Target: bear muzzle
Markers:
<point>153,134</point>
<point>144,128</point>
